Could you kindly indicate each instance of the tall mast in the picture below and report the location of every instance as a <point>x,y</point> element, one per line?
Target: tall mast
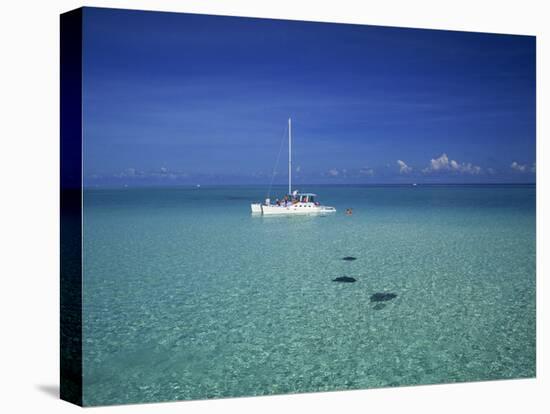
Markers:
<point>289,157</point>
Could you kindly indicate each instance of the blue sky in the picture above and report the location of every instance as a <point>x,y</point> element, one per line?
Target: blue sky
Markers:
<point>175,99</point>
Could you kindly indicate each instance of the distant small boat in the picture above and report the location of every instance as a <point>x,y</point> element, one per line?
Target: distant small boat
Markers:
<point>198,186</point>
<point>414,184</point>
<point>293,203</point>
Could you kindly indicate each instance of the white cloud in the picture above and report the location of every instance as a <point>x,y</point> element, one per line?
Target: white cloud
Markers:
<point>403,167</point>
<point>127,173</point>
<point>162,173</point>
<point>443,163</point>
<point>366,171</point>
<point>469,169</point>
<point>333,172</point>
<point>518,167</point>
<point>298,168</point>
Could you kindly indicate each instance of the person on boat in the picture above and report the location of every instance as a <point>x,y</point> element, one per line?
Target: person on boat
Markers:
<point>278,202</point>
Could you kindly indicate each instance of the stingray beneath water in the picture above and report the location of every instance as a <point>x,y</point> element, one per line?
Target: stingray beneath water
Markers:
<point>382,297</point>
<point>349,258</point>
<point>344,279</point>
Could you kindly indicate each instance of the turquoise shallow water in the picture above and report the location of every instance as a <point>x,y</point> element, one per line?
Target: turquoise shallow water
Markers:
<point>187,296</point>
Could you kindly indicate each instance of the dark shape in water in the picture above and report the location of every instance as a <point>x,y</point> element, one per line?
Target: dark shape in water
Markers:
<point>344,279</point>
<point>379,306</point>
<point>231,197</point>
<point>382,297</point>
<point>349,258</point>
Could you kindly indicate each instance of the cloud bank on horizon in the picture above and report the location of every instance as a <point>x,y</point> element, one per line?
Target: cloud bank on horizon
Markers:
<point>440,167</point>
<point>182,99</point>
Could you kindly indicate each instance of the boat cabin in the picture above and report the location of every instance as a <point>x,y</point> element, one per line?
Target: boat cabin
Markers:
<point>306,197</point>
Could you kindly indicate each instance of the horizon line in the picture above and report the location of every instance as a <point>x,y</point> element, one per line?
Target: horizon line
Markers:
<point>97,187</point>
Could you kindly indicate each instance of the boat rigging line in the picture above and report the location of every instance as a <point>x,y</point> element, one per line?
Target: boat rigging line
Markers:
<point>277,162</point>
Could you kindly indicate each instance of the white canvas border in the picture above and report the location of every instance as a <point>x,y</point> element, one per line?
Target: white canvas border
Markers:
<point>29,232</point>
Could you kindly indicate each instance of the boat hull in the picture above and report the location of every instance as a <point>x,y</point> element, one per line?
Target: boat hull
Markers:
<point>294,209</point>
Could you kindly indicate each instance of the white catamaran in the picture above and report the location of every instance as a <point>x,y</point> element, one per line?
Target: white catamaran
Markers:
<point>293,202</point>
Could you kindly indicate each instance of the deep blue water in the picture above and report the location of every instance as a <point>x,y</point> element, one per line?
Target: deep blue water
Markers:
<point>188,296</point>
